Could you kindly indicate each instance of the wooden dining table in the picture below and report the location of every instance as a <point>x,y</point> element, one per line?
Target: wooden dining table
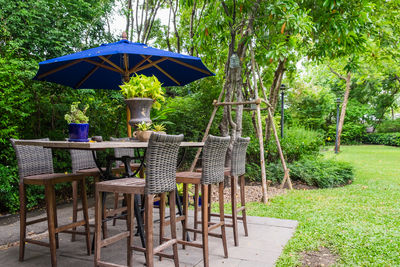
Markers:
<point>106,174</point>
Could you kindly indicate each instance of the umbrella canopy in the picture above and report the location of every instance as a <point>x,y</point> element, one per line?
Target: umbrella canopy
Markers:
<point>107,66</point>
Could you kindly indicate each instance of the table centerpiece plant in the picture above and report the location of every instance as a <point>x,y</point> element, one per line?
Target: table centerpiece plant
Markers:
<point>78,123</point>
<point>144,130</point>
<point>141,94</point>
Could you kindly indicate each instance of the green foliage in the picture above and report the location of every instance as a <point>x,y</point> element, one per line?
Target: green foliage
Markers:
<point>310,107</point>
<point>146,87</point>
<point>388,126</point>
<point>297,142</point>
<point>77,115</point>
<point>314,171</point>
<point>389,139</point>
<point>143,126</point>
<point>159,127</point>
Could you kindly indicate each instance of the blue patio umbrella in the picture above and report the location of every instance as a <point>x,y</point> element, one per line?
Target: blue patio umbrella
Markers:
<point>107,66</point>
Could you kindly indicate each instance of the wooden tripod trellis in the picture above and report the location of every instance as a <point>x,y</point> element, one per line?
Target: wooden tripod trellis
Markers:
<point>259,132</point>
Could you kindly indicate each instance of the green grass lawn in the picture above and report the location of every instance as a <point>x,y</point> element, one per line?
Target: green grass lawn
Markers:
<point>359,222</point>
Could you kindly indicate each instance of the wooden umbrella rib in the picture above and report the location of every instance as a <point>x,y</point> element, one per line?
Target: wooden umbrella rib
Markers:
<point>89,74</point>
<point>166,74</point>
<point>188,65</point>
<point>59,68</point>
<point>154,63</point>
<point>102,65</point>
<point>126,62</point>
<point>151,64</point>
<point>111,63</point>
<point>139,64</point>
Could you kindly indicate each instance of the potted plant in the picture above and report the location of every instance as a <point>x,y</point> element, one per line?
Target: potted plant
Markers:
<point>143,131</point>
<point>78,125</point>
<point>141,93</point>
<point>159,128</point>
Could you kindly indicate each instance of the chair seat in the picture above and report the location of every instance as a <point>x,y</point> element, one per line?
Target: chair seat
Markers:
<point>227,171</point>
<point>188,177</point>
<point>123,186</point>
<point>52,178</point>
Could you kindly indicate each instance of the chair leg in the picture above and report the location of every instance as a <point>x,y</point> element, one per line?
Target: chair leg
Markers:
<point>85,214</point>
<point>50,203</point>
<point>172,212</point>
<point>55,217</point>
<point>162,218</point>
<point>74,207</point>
<point>22,220</point>
<point>185,212</point>
<point>222,218</point>
<point>104,223</point>
<point>204,223</point>
<point>196,209</point>
<point>116,199</point>
<point>209,202</point>
<point>129,220</point>
<point>98,225</point>
<point>234,210</point>
<point>149,230</point>
<point>243,204</point>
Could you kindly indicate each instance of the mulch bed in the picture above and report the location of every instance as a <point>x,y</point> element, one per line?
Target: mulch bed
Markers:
<point>253,191</point>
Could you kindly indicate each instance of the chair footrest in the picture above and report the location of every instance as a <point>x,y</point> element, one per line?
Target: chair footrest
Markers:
<point>36,221</point>
<point>37,242</point>
<point>188,243</point>
<point>74,232</point>
<point>113,239</point>
<point>108,264</point>
<point>162,254</point>
<point>200,232</point>
<point>69,226</point>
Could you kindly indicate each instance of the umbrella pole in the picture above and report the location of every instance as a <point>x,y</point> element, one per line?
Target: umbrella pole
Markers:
<point>128,126</point>
<point>128,112</point>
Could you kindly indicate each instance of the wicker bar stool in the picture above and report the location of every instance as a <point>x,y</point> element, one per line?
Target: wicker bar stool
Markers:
<point>237,170</point>
<point>161,160</point>
<point>214,152</point>
<point>82,163</point>
<point>35,166</point>
<point>118,153</point>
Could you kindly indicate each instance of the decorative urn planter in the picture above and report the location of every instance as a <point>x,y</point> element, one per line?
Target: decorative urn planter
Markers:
<point>140,110</point>
<point>78,132</point>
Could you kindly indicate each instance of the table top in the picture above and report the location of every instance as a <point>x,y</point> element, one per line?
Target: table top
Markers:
<point>95,145</point>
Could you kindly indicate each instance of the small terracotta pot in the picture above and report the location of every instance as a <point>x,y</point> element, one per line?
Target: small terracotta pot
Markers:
<point>143,136</point>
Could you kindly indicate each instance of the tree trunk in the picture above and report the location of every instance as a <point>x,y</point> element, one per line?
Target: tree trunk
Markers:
<point>344,106</point>
<point>273,96</point>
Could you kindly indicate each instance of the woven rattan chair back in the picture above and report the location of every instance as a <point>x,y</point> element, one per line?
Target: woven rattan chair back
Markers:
<point>33,160</point>
<point>238,166</point>
<point>161,160</point>
<point>120,152</point>
<point>214,153</point>
<point>81,160</point>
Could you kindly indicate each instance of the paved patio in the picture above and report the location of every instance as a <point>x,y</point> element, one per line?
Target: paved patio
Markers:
<point>267,237</point>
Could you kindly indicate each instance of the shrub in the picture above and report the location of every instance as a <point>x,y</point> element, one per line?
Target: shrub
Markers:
<point>297,142</point>
<point>9,191</point>
<point>390,126</point>
<point>314,171</point>
<point>321,172</point>
<point>389,139</point>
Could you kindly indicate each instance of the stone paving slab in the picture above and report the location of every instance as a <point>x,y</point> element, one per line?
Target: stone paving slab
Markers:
<point>263,246</point>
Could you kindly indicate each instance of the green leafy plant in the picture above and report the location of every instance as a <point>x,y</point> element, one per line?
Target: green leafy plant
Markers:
<point>315,171</point>
<point>159,127</point>
<point>144,86</point>
<point>77,115</point>
<point>143,126</point>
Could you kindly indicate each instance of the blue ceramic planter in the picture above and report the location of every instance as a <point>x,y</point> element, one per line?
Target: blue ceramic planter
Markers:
<point>78,132</point>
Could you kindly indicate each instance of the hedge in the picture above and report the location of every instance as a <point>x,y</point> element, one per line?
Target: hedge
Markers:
<point>389,139</point>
